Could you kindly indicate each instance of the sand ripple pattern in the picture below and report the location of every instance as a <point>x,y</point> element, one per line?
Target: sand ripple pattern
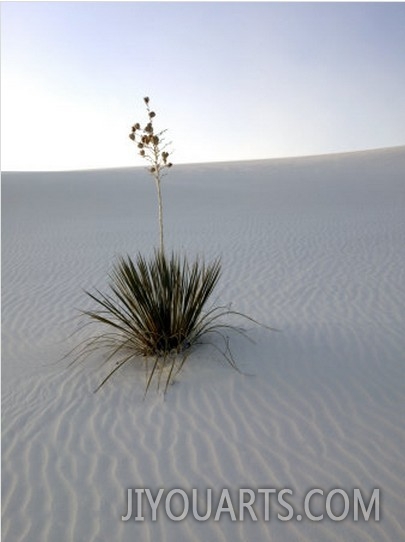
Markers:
<point>311,246</point>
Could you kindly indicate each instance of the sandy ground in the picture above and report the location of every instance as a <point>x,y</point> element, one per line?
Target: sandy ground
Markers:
<point>313,246</point>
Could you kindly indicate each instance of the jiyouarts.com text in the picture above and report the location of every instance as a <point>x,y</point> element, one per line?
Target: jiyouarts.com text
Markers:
<point>263,504</point>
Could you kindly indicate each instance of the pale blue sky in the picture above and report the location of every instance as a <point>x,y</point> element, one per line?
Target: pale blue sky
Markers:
<point>231,81</point>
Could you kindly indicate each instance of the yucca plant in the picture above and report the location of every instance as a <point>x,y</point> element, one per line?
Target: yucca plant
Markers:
<point>156,308</point>
<point>155,311</point>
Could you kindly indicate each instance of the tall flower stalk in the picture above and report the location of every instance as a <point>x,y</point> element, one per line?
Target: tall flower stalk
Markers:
<point>152,147</point>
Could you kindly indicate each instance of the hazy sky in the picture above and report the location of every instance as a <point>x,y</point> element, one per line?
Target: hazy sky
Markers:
<point>231,81</point>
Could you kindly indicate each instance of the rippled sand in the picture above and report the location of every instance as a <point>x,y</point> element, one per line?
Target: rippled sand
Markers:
<point>313,246</point>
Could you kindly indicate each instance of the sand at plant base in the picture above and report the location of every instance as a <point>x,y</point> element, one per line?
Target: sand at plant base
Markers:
<point>313,246</point>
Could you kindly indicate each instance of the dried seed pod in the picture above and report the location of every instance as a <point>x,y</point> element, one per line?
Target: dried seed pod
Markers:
<point>152,114</point>
<point>132,136</point>
<point>146,100</point>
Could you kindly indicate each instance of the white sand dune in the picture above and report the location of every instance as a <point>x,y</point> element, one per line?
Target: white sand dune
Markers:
<point>313,246</point>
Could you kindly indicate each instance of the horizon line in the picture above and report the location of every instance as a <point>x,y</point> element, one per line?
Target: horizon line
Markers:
<point>246,160</point>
